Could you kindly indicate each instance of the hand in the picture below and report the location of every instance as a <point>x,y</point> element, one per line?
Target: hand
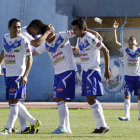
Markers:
<point>1,72</point>
<point>107,74</point>
<point>23,80</point>
<point>50,28</point>
<point>115,25</point>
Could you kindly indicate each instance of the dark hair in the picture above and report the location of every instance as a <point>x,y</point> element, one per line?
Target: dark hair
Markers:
<point>43,29</point>
<point>131,37</point>
<point>13,20</point>
<point>36,23</point>
<point>80,23</point>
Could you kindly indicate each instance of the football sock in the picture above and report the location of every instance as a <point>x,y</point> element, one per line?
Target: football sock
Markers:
<point>25,114</point>
<point>98,115</point>
<point>67,122</point>
<point>139,108</point>
<point>61,113</point>
<point>12,116</point>
<point>127,107</point>
<point>22,121</point>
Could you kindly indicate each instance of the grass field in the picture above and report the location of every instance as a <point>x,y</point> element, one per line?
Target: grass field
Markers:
<point>82,124</point>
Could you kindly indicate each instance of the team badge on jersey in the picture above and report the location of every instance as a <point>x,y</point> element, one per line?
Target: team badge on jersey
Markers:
<point>98,44</point>
<point>28,50</point>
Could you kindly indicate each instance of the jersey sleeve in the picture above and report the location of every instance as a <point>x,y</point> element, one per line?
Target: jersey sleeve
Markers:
<point>26,46</point>
<point>67,34</point>
<point>96,43</point>
<point>41,48</point>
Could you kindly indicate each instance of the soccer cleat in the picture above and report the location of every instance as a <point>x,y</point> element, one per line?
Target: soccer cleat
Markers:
<point>59,130</point>
<point>5,132</point>
<point>96,131</point>
<point>124,118</point>
<point>33,128</point>
<point>15,131</point>
<point>103,129</point>
<point>26,131</point>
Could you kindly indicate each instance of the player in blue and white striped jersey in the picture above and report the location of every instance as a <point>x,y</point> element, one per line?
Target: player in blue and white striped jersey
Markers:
<point>89,48</point>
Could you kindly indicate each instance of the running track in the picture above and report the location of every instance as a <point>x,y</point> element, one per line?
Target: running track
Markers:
<point>73,105</point>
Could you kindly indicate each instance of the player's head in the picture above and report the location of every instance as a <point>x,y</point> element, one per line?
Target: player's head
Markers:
<point>14,27</point>
<point>34,28</point>
<point>132,41</point>
<point>47,27</point>
<point>44,29</point>
<point>79,26</point>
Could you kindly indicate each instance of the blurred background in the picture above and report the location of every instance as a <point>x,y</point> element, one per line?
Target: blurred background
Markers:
<point>60,13</point>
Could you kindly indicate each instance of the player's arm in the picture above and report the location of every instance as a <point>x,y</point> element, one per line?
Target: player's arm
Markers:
<point>75,50</point>
<point>105,52</point>
<point>117,44</point>
<point>29,61</point>
<point>1,61</point>
<point>37,42</point>
<point>96,34</point>
<point>35,53</point>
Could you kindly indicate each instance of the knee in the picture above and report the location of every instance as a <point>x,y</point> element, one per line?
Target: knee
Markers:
<point>58,99</point>
<point>138,98</point>
<point>91,99</point>
<point>127,96</point>
<point>13,101</point>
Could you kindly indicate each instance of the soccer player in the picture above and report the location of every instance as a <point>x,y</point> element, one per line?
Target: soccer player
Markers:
<point>131,60</point>
<point>31,32</point>
<point>58,46</point>
<point>89,48</point>
<point>17,56</point>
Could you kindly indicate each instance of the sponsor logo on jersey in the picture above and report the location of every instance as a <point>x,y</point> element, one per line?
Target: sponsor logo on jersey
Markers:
<point>62,46</point>
<point>16,50</point>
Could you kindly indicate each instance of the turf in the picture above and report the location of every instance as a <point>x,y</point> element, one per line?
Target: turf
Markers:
<point>82,124</point>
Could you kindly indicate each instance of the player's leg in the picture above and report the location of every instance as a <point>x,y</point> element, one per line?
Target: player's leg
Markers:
<point>128,88</point>
<point>137,92</point>
<point>92,86</point>
<point>98,115</point>
<point>64,88</point>
<point>11,95</point>
<point>25,129</point>
<point>24,112</point>
<point>62,115</point>
<point>34,124</point>
<point>138,107</point>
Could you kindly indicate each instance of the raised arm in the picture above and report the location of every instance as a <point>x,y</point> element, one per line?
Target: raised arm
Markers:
<point>105,52</point>
<point>37,42</point>
<point>117,44</point>
<point>1,61</point>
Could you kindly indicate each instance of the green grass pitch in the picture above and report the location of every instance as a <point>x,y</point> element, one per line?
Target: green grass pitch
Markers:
<point>82,124</point>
